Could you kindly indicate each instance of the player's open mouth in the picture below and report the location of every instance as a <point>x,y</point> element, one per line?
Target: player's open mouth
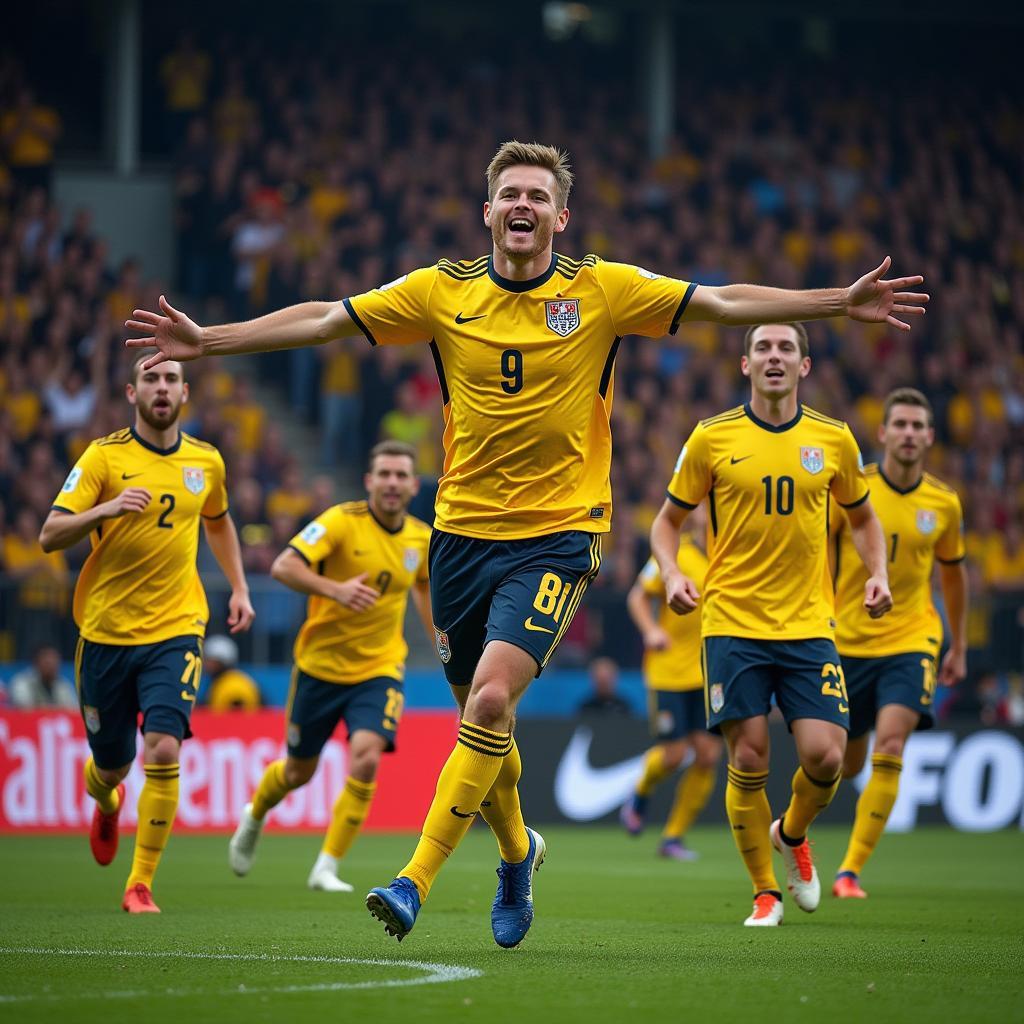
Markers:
<point>160,405</point>
<point>520,226</point>
<point>775,373</point>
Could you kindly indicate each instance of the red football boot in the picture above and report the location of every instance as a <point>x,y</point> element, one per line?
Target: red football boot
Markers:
<point>103,834</point>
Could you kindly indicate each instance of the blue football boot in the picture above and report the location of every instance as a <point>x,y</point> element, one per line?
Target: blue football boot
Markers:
<point>395,906</point>
<point>512,910</point>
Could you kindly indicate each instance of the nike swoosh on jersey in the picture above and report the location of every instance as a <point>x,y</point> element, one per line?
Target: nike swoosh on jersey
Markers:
<point>130,476</point>
<point>742,458</point>
<point>459,814</point>
<point>583,792</point>
<point>460,319</point>
<point>529,624</point>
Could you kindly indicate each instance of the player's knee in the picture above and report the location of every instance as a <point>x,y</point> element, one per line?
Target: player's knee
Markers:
<point>890,744</point>
<point>298,773</point>
<point>674,754</point>
<point>825,762</point>
<point>489,706</point>
<point>113,776</point>
<point>749,757</point>
<point>161,748</point>
<point>708,757</point>
<point>364,764</point>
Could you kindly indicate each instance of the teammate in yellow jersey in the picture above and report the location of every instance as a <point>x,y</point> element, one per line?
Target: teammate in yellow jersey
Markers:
<point>359,562</point>
<point>139,495</point>
<point>769,470</point>
<point>675,695</point>
<point>524,342</point>
<point>890,663</point>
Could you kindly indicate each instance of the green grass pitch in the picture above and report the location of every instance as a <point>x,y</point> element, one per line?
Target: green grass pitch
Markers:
<point>619,935</point>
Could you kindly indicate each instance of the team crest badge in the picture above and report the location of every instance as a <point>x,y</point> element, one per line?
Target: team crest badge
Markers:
<point>812,459</point>
<point>92,719</point>
<point>717,697</point>
<point>926,521</point>
<point>410,559</point>
<point>195,480</point>
<point>444,652</point>
<point>563,315</point>
<point>294,734</point>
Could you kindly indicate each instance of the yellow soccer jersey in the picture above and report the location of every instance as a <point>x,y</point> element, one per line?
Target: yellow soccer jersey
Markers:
<point>678,667</point>
<point>526,379</point>
<point>920,525</point>
<point>140,584</point>
<point>340,645</point>
<point>768,492</point>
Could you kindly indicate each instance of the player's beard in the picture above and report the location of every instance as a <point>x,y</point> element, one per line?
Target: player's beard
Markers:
<point>161,421</point>
<point>541,240</point>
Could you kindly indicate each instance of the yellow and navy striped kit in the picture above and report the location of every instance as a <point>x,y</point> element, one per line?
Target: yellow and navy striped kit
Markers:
<point>526,379</point>
<point>921,524</point>
<point>768,490</point>
<point>140,584</point>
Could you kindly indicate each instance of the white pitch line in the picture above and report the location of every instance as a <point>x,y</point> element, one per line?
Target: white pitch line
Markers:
<point>435,973</point>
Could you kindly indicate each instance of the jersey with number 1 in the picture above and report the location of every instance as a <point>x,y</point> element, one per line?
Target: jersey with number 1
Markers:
<point>768,489</point>
<point>525,369</point>
<point>140,584</point>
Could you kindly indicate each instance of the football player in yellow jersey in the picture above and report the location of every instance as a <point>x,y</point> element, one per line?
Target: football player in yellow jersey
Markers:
<point>769,470</point>
<point>675,692</point>
<point>139,495</point>
<point>524,342</point>
<point>890,663</point>
<point>359,563</point>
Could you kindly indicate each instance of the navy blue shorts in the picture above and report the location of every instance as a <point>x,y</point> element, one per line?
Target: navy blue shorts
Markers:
<point>115,683</point>
<point>675,714</point>
<point>524,592</point>
<point>907,679</point>
<point>315,707</point>
<point>741,676</point>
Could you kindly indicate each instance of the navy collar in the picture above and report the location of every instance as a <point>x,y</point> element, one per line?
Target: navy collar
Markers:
<point>153,448</point>
<point>373,515</point>
<point>900,490</point>
<point>520,286</point>
<point>782,428</point>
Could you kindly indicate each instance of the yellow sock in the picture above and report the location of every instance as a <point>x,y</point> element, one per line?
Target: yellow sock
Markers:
<point>810,797</point>
<point>350,810</point>
<point>873,810</point>
<point>692,793</point>
<point>501,810</point>
<point>273,788</point>
<point>654,771</point>
<point>467,777</point>
<point>158,803</point>
<point>746,803</point>
<point>106,796</point>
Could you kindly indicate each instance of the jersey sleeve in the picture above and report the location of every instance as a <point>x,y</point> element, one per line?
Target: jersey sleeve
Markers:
<point>650,579</point>
<point>850,486</point>
<point>396,313</point>
<point>951,548</point>
<point>316,540</point>
<point>216,504</point>
<point>84,484</point>
<point>641,302</point>
<point>691,479</point>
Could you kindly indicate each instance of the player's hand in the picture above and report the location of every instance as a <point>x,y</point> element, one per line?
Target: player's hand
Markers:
<point>240,612</point>
<point>355,594</point>
<point>877,599</point>
<point>131,499</point>
<point>953,669</point>
<point>173,333</point>
<point>681,594</point>
<point>656,639</point>
<point>874,300</point>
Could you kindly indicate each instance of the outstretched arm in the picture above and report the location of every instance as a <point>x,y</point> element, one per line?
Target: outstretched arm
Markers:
<point>866,533</point>
<point>872,299</point>
<point>175,336</point>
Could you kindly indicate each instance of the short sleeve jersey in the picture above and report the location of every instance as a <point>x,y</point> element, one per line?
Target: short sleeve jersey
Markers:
<point>921,524</point>
<point>340,645</point>
<point>140,584</point>
<point>768,490</point>
<point>525,369</point>
<point>678,667</point>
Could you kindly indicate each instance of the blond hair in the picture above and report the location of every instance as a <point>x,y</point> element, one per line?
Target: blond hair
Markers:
<point>531,154</point>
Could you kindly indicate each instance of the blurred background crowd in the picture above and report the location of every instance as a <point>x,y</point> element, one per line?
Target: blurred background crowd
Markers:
<point>305,169</point>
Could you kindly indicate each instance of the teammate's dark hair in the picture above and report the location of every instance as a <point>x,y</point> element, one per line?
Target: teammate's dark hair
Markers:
<point>907,396</point>
<point>531,154</point>
<point>391,447</point>
<point>801,337</point>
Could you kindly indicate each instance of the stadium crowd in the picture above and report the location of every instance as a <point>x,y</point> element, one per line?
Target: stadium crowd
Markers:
<point>298,177</point>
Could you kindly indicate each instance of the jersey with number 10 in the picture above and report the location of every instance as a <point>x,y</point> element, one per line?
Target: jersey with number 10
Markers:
<point>768,490</point>
<point>526,379</point>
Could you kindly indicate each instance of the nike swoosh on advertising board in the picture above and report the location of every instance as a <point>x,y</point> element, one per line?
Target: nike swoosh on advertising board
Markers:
<point>584,792</point>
